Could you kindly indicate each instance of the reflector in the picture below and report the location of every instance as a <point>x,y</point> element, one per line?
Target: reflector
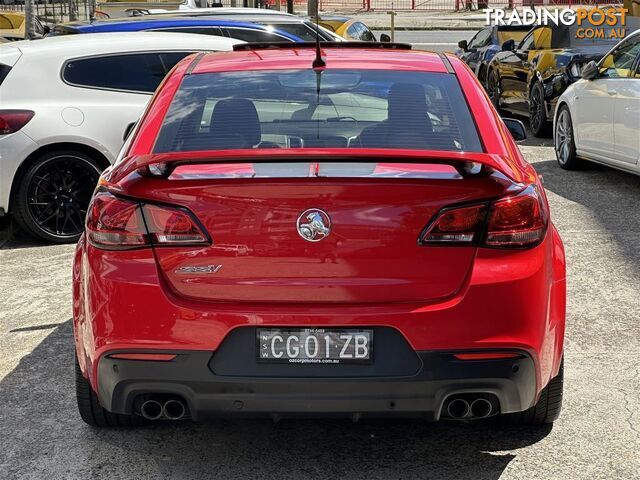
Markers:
<point>486,355</point>
<point>156,357</point>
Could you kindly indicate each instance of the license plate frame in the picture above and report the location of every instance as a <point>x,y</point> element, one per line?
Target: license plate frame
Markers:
<point>337,337</point>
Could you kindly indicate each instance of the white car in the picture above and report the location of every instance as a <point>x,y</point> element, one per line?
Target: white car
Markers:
<point>65,105</point>
<point>598,117</point>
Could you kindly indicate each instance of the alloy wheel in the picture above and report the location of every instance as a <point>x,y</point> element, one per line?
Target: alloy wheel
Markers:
<point>536,108</point>
<point>563,137</point>
<point>493,89</point>
<point>59,193</point>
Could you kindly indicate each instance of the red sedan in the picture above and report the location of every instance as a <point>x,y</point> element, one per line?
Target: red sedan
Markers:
<point>352,234</point>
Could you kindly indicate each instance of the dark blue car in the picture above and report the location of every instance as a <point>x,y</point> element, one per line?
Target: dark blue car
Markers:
<point>248,32</point>
<point>478,52</point>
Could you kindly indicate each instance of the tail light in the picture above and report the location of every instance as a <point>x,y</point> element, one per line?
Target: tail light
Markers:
<point>457,225</point>
<point>517,221</point>
<point>115,223</point>
<point>13,120</point>
<point>168,226</point>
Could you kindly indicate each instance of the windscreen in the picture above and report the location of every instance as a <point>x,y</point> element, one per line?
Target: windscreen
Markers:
<point>319,109</point>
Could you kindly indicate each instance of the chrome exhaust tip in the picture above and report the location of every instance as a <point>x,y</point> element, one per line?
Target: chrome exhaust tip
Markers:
<point>458,408</point>
<point>173,409</point>
<point>481,408</point>
<point>151,410</point>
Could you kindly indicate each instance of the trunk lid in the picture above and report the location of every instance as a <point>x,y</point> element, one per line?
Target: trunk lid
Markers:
<point>370,253</point>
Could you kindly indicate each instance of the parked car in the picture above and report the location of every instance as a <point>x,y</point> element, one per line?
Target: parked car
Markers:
<point>299,27</point>
<point>293,24</point>
<point>598,117</point>
<point>66,102</point>
<point>245,31</point>
<point>478,52</point>
<point>12,26</point>
<point>281,241</point>
<point>529,78</point>
<point>350,28</point>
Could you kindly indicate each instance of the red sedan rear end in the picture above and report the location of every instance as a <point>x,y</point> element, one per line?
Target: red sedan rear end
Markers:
<point>360,237</point>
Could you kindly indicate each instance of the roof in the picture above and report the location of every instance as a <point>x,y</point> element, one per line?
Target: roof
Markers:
<point>223,11</point>
<point>68,46</point>
<point>299,58</point>
<point>145,23</point>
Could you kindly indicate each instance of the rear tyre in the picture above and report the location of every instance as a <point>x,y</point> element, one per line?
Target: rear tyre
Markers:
<point>564,142</point>
<point>537,112</point>
<point>52,197</point>
<point>91,411</point>
<point>547,410</point>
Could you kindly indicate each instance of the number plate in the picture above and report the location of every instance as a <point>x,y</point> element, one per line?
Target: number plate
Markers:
<point>314,345</point>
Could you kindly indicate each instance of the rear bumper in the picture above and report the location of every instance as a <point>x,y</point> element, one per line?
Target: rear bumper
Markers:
<point>189,375</point>
<point>512,300</point>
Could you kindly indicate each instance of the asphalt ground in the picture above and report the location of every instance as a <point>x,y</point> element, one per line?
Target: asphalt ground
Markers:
<point>596,437</point>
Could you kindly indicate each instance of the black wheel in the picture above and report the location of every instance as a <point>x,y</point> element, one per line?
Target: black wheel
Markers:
<point>537,113</point>
<point>482,75</point>
<point>53,195</point>
<point>493,89</point>
<point>563,140</point>
<point>91,411</point>
<point>547,410</point>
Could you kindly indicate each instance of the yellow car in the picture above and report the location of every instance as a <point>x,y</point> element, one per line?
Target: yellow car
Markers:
<point>12,26</point>
<point>350,28</point>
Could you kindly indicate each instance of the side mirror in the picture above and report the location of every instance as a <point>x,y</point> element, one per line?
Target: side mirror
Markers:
<point>516,128</point>
<point>590,71</point>
<point>127,131</point>
<point>385,38</point>
<point>463,45</point>
<point>509,46</point>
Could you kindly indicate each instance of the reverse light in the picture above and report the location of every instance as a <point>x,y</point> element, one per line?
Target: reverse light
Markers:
<point>517,221</point>
<point>115,223</point>
<point>13,120</point>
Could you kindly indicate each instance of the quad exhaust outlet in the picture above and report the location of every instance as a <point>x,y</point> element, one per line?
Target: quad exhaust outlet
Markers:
<point>470,406</point>
<point>172,409</point>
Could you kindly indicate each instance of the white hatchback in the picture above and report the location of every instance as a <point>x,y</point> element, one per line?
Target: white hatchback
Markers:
<point>65,103</point>
<point>598,117</point>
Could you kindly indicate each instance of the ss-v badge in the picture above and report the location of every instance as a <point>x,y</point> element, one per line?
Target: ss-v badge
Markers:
<point>200,269</point>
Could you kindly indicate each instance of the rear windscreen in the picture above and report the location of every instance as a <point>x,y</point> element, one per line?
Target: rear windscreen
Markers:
<point>323,109</point>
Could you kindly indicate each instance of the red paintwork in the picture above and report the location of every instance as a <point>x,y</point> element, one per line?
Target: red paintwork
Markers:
<point>369,272</point>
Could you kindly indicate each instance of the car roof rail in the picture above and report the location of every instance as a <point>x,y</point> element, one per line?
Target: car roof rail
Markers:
<point>241,47</point>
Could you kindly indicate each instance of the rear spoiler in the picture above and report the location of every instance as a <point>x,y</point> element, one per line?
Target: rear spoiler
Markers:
<point>162,164</point>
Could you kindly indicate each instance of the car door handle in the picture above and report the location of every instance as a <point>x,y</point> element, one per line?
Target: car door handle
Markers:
<point>612,92</point>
